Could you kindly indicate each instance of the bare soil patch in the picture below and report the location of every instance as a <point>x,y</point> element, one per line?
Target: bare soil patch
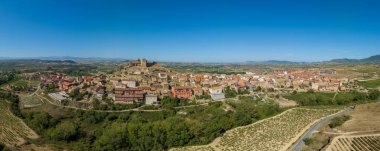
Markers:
<point>365,117</point>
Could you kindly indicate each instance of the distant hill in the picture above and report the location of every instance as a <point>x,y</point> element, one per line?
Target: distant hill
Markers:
<point>66,59</point>
<point>31,61</point>
<point>79,58</point>
<point>63,58</point>
<point>274,62</point>
<point>373,59</point>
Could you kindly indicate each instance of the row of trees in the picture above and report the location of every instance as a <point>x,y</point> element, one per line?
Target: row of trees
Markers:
<point>313,98</point>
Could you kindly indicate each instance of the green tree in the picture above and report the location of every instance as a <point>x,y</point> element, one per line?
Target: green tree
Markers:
<point>113,138</point>
<point>65,131</point>
<point>40,121</point>
<point>229,93</point>
<point>374,94</point>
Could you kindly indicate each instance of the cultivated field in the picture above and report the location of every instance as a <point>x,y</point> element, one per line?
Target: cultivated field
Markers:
<point>360,142</point>
<point>13,130</point>
<point>365,120</point>
<point>30,101</point>
<point>276,133</point>
<point>370,83</point>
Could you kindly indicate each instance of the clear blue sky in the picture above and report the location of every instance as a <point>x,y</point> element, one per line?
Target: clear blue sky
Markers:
<point>191,30</point>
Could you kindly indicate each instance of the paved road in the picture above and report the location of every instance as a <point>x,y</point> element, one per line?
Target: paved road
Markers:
<point>300,143</point>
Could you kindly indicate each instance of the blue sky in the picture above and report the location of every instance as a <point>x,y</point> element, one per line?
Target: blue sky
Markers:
<point>191,30</point>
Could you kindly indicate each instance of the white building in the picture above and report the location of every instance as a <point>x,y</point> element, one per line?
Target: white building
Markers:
<point>216,93</point>
<point>151,99</point>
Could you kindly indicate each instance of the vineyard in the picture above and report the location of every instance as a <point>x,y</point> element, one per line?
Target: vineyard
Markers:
<point>361,142</point>
<point>13,130</point>
<point>276,133</point>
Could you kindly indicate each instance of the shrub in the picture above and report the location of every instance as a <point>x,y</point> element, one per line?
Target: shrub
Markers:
<point>338,121</point>
<point>2,147</point>
<point>308,141</point>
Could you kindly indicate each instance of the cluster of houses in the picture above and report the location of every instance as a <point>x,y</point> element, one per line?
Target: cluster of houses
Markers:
<point>141,81</point>
<point>92,86</point>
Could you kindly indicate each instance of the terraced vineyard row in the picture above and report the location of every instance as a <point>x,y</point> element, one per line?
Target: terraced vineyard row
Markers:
<point>356,143</point>
<point>12,130</point>
<point>276,133</point>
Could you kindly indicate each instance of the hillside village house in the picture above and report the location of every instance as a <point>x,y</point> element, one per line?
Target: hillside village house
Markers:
<point>216,93</point>
<point>182,92</point>
<point>128,95</point>
<point>151,99</point>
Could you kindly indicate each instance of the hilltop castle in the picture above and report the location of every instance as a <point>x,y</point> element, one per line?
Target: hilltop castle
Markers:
<point>140,63</point>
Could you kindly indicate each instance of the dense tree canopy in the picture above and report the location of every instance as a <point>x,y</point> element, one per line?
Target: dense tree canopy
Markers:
<point>5,77</point>
<point>161,130</point>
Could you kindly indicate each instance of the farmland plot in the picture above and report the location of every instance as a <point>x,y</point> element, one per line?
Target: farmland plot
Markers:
<point>13,131</point>
<point>357,142</point>
<point>31,101</point>
<point>276,133</point>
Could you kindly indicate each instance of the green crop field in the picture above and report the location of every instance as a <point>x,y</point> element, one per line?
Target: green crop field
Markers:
<point>370,83</point>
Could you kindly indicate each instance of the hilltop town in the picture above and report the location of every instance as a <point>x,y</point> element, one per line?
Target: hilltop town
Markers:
<point>142,82</point>
<point>56,105</point>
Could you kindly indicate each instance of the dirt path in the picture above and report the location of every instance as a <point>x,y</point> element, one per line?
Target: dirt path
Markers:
<point>349,133</point>
<point>334,96</point>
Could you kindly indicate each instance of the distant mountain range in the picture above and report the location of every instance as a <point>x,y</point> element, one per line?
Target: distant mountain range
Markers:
<point>79,58</point>
<point>61,58</point>
<point>370,60</point>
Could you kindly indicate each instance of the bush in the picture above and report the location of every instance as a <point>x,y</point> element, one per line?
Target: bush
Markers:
<point>338,121</point>
<point>308,141</point>
<point>2,147</point>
